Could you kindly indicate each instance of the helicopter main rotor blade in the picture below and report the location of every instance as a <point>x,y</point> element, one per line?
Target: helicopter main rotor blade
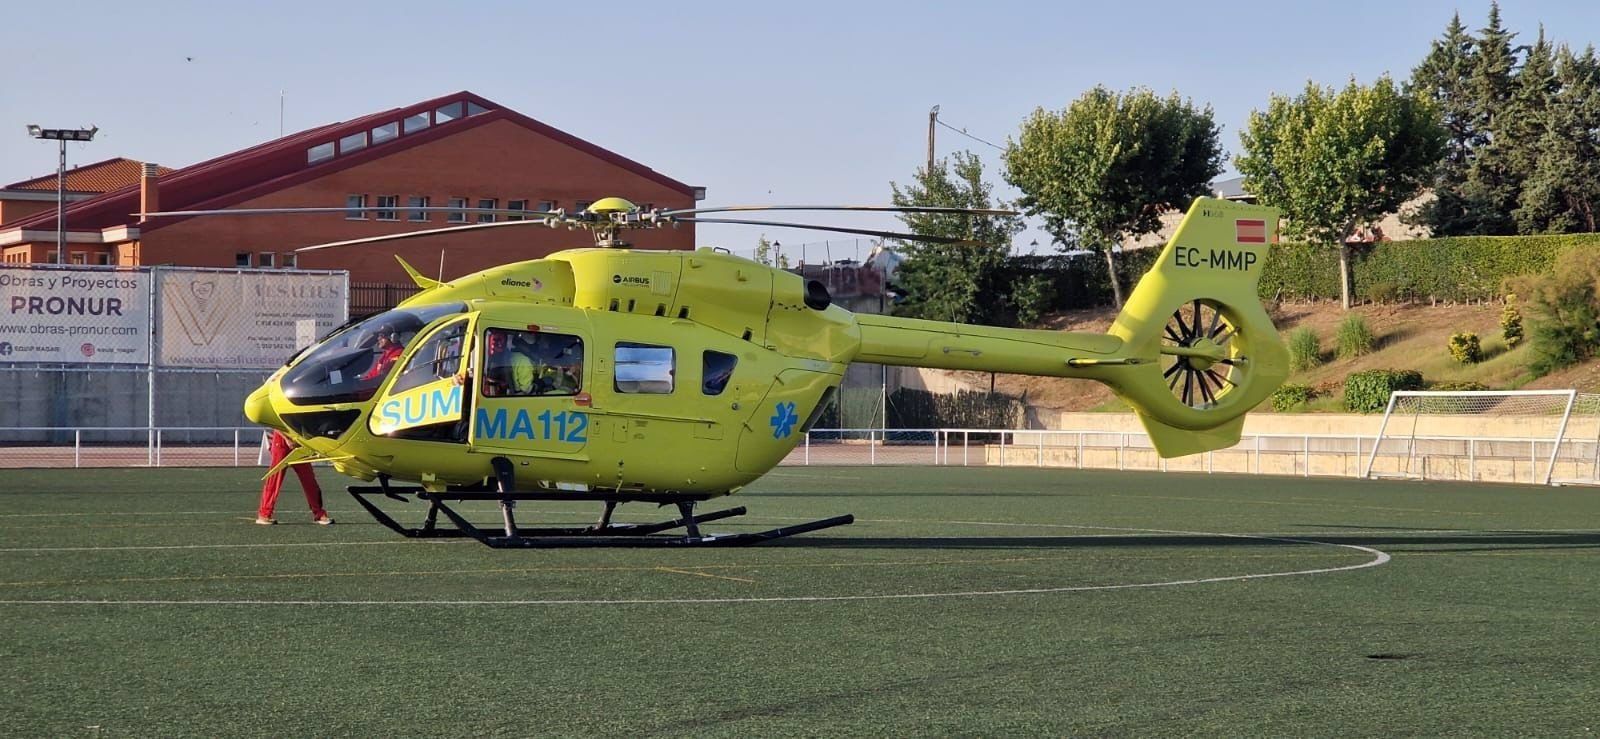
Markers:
<point>418,234</point>
<point>868,208</point>
<point>839,229</point>
<point>363,209</point>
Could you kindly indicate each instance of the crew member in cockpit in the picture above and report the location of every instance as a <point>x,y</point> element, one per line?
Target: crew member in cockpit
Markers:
<point>389,350</point>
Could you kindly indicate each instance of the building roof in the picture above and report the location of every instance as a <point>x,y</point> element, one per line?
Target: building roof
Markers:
<point>103,176</point>
<point>300,157</point>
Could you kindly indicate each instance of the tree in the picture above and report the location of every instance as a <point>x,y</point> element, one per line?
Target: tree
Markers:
<point>1334,160</point>
<point>764,250</point>
<point>1562,195</point>
<point>1108,165</point>
<point>954,282</point>
<point>1443,79</point>
<point>1492,184</point>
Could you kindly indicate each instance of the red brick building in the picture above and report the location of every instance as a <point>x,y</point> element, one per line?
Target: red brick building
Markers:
<point>459,150</point>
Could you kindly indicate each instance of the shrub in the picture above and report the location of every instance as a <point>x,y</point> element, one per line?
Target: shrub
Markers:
<point>1291,397</point>
<point>1458,386</point>
<point>1368,392</point>
<point>1032,296</point>
<point>1353,337</point>
<point>1465,347</point>
<point>1384,291</point>
<point>1563,311</point>
<point>1511,322</point>
<point>1305,350</point>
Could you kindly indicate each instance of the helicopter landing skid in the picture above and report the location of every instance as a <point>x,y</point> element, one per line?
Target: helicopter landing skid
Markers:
<point>605,534</point>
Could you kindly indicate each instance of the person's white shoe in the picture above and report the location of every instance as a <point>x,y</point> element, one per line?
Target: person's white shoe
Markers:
<point>265,521</point>
<point>324,521</point>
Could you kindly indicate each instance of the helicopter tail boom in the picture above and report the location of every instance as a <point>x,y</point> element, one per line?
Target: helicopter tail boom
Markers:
<point>1191,351</point>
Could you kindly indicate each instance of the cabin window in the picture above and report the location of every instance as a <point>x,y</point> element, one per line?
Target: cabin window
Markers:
<point>716,370</point>
<point>644,368</point>
<point>437,358</point>
<point>529,363</point>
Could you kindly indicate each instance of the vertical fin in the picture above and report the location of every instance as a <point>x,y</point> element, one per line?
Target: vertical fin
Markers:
<point>424,282</point>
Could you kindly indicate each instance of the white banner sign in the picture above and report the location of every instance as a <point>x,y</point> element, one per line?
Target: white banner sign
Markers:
<point>74,316</point>
<point>242,320</point>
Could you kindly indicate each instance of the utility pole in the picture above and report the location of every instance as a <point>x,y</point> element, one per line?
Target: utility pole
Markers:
<point>933,120</point>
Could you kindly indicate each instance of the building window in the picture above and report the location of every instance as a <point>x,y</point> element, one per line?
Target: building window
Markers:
<point>415,123</point>
<point>357,205</point>
<point>487,204</point>
<point>457,216</point>
<point>241,259</point>
<point>103,258</point>
<point>291,260</point>
<point>644,368</point>
<point>516,205</point>
<point>266,259</point>
<point>417,201</point>
<point>547,205</point>
<point>319,153</point>
<point>447,113</point>
<point>79,257</point>
<point>581,206</point>
<point>353,142</point>
<point>386,132</point>
<point>386,207</point>
<point>522,363</point>
<point>50,257</point>
<point>474,108</point>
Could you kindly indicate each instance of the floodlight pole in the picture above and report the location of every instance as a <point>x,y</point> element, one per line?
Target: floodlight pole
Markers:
<point>61,205</point>
<point>62,135</point>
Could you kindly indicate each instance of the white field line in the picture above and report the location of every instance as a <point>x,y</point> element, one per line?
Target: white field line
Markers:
<point>1378,558</point>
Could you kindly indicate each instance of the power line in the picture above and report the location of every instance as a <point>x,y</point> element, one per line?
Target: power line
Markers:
<point>963,132</point>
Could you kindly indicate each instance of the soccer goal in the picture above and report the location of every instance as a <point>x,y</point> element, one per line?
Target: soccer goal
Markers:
<point>1538,436</point>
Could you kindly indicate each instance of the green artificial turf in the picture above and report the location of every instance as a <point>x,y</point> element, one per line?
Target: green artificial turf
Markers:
<point>1485,622</point>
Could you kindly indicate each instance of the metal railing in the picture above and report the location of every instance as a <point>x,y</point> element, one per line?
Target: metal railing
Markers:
<point>1483,459</point>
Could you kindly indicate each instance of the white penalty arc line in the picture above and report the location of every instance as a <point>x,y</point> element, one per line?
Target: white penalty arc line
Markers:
<point>1379,557</point>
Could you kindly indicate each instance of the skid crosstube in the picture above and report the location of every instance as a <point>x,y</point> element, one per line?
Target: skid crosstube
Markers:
<point>608,534</point>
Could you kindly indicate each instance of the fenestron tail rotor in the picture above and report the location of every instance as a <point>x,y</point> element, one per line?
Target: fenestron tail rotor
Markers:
<point>1198,354</point>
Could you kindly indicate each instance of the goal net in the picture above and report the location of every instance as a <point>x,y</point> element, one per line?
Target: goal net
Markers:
<point>1537,436</point>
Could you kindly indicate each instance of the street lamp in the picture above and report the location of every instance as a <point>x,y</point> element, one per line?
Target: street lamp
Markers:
<point>62,135</point>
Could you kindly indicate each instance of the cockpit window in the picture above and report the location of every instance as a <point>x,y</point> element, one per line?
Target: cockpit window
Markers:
<point>350,365</point>
<point>437,359</point>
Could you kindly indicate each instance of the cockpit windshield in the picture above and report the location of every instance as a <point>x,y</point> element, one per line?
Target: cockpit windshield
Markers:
<point>350,365</point>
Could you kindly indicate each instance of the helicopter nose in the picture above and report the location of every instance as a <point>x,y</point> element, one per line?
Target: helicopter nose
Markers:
<point>258,408</point>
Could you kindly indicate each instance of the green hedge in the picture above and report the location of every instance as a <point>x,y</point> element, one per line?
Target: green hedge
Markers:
<point>1368,392</point>
<point>1458,268</point>
<point>919,409</point>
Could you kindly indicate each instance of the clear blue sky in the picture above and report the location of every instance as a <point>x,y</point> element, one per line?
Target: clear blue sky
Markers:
<point>819,102</point>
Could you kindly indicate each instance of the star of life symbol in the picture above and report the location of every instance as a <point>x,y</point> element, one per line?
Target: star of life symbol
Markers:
<point>783,420</point>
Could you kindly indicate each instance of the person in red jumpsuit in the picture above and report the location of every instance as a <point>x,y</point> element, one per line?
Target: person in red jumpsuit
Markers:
<point>389,349</point>
<point>270,488</point>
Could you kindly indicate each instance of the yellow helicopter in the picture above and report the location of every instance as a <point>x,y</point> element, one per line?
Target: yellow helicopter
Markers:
<point>618,375</point>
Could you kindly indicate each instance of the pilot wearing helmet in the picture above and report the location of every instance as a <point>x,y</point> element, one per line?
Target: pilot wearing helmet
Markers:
<point>389,350</point>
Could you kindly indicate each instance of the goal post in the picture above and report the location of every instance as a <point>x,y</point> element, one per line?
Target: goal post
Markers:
<point>1501,435</point>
